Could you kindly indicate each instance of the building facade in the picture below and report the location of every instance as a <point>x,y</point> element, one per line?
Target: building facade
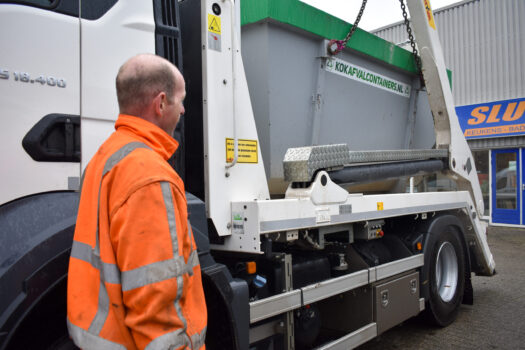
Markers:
<point>484,46</point>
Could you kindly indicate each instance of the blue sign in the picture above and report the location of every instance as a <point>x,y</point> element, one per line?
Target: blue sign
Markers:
<point>495,119</point>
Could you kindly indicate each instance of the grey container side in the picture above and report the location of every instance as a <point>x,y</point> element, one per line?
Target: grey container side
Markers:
<point>298,103</point>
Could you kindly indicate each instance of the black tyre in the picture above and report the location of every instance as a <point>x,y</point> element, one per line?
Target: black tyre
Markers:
<point>446,272</point>
<point>36,234</point>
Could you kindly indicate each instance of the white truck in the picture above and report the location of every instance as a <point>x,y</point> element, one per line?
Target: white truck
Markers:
<point>326,249</point>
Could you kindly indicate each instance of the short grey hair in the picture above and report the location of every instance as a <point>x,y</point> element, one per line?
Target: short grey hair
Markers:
<point>140,80</point>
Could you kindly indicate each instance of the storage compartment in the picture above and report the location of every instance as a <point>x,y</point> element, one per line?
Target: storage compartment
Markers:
<point>346,312</point>
<point>396,300</point>
<point>305,270</point>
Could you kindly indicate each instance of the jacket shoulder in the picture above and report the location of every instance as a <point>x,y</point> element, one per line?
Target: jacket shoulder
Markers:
<point>144,165</point>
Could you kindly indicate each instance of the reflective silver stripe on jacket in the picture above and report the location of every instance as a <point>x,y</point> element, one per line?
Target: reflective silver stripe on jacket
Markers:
<point>198,339</point>
<point>174,340</point>
<point>171,340</point>
<point>152,273</point>
<point>88,341</point>
<point>141,276</point>
<point>84,252</point>
<point>170,212</point>
<point>191,258</point>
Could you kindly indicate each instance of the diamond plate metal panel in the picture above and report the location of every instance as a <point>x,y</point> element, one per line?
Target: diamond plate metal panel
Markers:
<point>395,155</point>
<point>300,164</point>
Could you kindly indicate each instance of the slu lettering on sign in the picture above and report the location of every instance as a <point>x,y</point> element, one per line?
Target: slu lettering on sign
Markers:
<point>500,118</point>
<point>363,75</point>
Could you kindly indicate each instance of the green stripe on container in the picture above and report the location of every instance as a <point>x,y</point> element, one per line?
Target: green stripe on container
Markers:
<point>315,21</point>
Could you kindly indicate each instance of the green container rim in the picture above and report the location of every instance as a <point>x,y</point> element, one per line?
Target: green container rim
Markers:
<point>315,21</point>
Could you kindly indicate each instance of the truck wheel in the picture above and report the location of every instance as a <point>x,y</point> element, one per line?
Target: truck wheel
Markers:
<point>36,234</point>
<point>446,273</point>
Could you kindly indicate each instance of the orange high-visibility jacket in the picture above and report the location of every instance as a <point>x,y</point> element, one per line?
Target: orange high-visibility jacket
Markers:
<point>134,274</point>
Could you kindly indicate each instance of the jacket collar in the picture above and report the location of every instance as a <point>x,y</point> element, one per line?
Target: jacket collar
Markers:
<point>149,133</point>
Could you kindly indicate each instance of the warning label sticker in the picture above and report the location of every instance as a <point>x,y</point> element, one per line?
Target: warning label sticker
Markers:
<point>238,223</point>
<point>214,24</point>
<point>214,32</point>
<point>246,151</point>
<point>214,41</point>
<point>430,16</point>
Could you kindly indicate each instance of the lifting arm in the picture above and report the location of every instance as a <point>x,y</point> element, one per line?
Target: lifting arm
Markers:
<point>446,125</point>
<point>448,132</point>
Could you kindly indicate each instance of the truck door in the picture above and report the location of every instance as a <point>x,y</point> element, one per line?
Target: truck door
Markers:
<point>39,97</point>
<point>112,32</point>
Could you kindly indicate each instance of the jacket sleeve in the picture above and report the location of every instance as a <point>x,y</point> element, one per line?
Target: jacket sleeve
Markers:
<point>149,238</point>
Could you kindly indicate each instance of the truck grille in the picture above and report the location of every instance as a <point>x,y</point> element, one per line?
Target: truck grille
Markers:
<point>167,32</point>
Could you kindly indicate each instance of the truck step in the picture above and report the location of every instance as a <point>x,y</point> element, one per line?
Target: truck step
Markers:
<point>300,164</point>
<point>352,340</point>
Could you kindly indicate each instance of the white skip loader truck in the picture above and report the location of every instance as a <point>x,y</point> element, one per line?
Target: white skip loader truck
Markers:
<point>308,164</point>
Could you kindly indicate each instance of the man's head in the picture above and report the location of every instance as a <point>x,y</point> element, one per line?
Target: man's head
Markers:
<point>151,88</point>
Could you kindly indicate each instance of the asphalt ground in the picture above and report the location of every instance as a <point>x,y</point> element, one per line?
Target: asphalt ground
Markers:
<point>495,321</point>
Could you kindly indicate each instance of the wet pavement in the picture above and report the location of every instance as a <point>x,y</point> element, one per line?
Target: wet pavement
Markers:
<point>495,321</point>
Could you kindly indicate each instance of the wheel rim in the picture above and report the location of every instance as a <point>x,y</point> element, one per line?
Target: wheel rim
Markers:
<point>446,271</point>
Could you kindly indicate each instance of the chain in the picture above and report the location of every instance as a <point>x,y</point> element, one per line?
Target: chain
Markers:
<point>356,23</point>
<point>336,46</point>
<point>412,42</point>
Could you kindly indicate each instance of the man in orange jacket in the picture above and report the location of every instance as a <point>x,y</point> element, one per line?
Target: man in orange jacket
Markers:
<point>134,274</point>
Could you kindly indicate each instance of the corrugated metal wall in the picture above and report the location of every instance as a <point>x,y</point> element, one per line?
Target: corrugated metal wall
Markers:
<point>484,46</point>
<point>497,142</point>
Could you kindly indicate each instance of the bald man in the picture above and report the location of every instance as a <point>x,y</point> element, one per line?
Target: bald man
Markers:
<point>134,274</point>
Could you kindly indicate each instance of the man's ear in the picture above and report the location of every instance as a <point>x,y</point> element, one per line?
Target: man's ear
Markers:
<point>160,103</point>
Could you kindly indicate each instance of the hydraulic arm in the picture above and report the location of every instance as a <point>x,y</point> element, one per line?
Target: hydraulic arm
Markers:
<point>446,125</point>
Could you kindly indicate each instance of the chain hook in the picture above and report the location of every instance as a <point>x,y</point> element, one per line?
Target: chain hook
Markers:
<point>336,46</point>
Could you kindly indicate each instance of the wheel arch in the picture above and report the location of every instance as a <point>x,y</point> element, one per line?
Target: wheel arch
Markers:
<point>36,234</point>
<point>431,230</point>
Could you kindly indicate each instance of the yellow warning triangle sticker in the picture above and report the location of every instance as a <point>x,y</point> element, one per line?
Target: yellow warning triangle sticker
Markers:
<point>214,24</point>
